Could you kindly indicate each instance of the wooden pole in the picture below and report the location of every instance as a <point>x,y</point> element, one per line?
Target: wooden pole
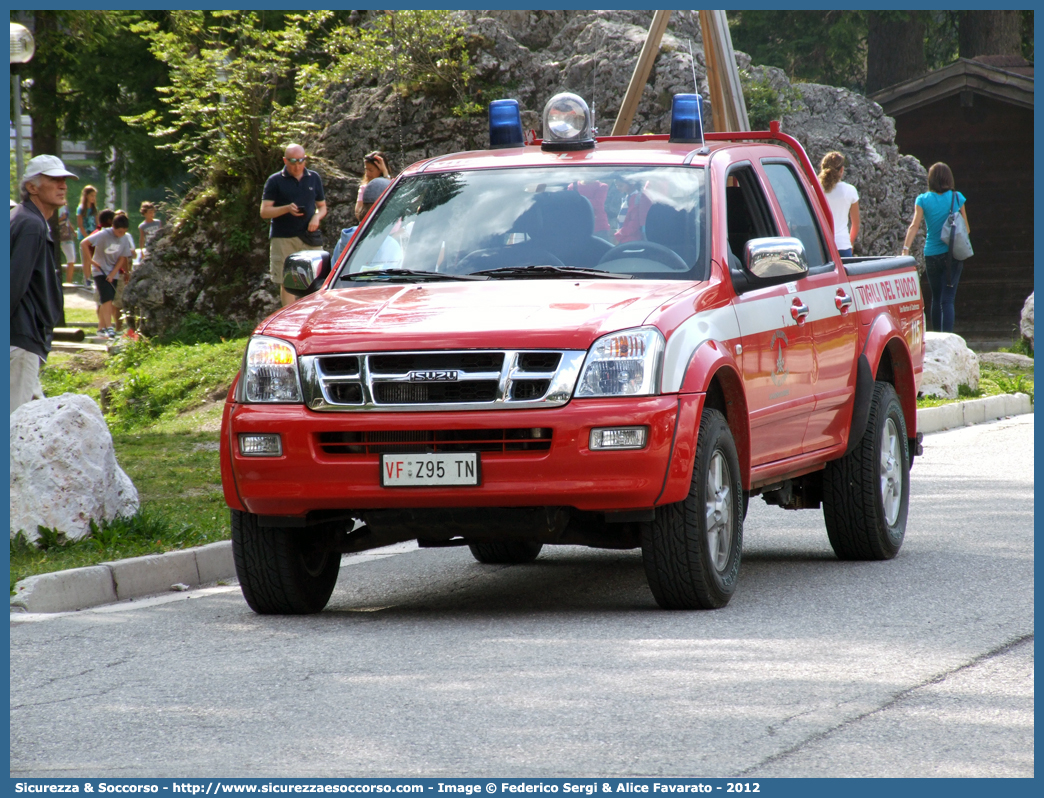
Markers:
<point>641,73</point>
<point>728,110</point>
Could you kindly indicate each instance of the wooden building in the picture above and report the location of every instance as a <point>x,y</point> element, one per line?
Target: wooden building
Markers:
<point>977,116</point>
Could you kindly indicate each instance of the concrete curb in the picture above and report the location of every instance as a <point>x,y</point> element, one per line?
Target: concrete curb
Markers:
<point>82,588</point>
<point>972,411</point>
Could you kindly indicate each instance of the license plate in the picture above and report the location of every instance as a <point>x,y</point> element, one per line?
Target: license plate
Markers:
<point>410,470</point>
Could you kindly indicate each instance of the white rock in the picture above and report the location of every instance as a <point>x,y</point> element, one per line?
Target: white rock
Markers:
<point>63,468</point>
<point>948,362</point>
<point>1026,323</point>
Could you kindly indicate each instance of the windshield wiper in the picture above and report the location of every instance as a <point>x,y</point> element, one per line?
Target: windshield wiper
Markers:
<point>547,270</point>
<point>408,274</point>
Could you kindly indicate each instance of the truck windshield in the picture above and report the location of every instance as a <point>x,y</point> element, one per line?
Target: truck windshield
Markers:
<point>565,222</point>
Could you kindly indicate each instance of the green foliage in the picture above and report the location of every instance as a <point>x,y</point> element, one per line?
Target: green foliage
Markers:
<point>1019,345</point>
<point>1000,379</point>
<point>49,538</point>
<point>830,47</point>
<point>764,103</point>
<point>813,46</point>
<point>196,329</point>
<point>993,381</point>
<point>233,102</point>
<point>148,381</point>
<point>72,89</point>
<point>940,38</point>
<point>418,51</point>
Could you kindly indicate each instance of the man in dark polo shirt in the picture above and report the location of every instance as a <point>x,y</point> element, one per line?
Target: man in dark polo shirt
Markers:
<point>294,200</point>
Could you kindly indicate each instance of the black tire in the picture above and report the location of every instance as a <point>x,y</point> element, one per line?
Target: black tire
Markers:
<point>283,571</point>
<point>688,565</point>
<point>505,552</point>
<point>866,494</point>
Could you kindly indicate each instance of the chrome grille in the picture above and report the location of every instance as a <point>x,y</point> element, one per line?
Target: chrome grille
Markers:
<point>440,380</point>
<point>398,393</point>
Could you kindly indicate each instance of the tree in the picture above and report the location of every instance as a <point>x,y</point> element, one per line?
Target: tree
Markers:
<point>116,77</point>
<point>990,33</point>
<point>817,46</point>
<point>415,50</point>
<point>895,47</point>
<point>235,96</point>
<point>88,70</point>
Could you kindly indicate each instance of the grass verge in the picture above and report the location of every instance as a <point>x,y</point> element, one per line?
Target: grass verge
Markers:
<point>993,381</point>
<point>162,402</point>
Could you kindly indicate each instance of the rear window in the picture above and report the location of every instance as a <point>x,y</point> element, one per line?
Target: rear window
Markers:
<point>646,222</point>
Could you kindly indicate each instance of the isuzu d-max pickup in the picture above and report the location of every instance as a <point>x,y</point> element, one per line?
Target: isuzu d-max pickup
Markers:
<point>612,342</point>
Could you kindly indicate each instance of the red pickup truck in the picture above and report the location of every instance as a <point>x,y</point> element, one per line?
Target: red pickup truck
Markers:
<point>611,342</point>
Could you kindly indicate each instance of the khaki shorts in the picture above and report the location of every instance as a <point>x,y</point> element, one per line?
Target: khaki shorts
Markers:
<point>279,249</point>
<point>69,250</point>
<point>25,377</point>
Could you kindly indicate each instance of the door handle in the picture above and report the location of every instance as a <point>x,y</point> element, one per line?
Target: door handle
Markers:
<point>842,300</point>
<point>799,310</point>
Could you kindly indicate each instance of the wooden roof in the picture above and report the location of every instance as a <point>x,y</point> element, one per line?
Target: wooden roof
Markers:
<point>962,75</point>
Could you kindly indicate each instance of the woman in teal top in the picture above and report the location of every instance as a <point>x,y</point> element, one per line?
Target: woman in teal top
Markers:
<point>943,272</point>
<point>87,222</point>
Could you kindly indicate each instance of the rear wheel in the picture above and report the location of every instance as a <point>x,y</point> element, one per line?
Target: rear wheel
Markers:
<point>505,552</point>
<point>284,570</point>
<point>691,549</point>
<point>866,494</point>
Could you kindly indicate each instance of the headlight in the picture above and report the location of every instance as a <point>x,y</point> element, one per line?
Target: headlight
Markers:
<point>626,363</point>
<point>270,371</point>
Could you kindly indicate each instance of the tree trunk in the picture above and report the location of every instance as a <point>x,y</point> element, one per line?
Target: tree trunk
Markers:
<point>43,99</point>
<point>43,104</point>
<point>990,33</point>
<point>894,48</point>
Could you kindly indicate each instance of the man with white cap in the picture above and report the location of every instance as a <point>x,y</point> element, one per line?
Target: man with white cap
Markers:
<point>36,295</point>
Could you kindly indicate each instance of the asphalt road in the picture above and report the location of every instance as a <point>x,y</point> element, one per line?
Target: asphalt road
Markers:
<point>427,663</point>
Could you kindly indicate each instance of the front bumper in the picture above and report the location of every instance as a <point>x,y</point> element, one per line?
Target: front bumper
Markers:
<point>305,478</point>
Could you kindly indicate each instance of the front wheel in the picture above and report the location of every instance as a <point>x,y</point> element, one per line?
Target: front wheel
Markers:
<point>691,549</point>
<point>282,570</point>
<point>866,494</point>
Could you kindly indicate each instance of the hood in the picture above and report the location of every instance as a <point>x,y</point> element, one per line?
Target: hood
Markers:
<point>498,314</point>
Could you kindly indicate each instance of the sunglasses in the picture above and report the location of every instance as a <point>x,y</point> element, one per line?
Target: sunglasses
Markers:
<point>296,160</point>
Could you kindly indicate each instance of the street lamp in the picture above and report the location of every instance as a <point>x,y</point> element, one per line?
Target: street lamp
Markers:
<point>22,48</point>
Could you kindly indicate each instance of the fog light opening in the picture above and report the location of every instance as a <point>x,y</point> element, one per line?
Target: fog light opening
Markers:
<point>260,445</point>
<point>609,438</point>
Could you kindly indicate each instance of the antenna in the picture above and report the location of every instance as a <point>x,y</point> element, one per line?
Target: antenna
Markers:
<point>594,84</point>
<point>692,63</point>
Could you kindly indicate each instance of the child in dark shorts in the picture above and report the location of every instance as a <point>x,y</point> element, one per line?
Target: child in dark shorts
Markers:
<point>108,251</point>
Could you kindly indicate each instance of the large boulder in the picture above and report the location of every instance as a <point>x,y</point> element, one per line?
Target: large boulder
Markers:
<point>63,468</point>
<point>1026,322</point>
<point>948,364</point>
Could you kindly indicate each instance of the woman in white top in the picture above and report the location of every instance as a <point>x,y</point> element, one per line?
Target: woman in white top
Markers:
<point>843,200</point>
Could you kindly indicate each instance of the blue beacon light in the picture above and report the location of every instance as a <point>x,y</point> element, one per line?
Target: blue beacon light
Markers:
<point>687,119</point>
<point>505,124</point>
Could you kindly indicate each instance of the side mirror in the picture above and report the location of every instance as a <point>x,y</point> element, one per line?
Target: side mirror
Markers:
<point>770,261</point>
<point>305,271</point>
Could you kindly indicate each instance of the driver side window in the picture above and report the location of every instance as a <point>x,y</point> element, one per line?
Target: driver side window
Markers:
<point>746,212</point>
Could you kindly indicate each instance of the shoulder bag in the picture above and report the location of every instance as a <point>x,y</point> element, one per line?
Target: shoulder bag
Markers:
<point>955,233</point>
